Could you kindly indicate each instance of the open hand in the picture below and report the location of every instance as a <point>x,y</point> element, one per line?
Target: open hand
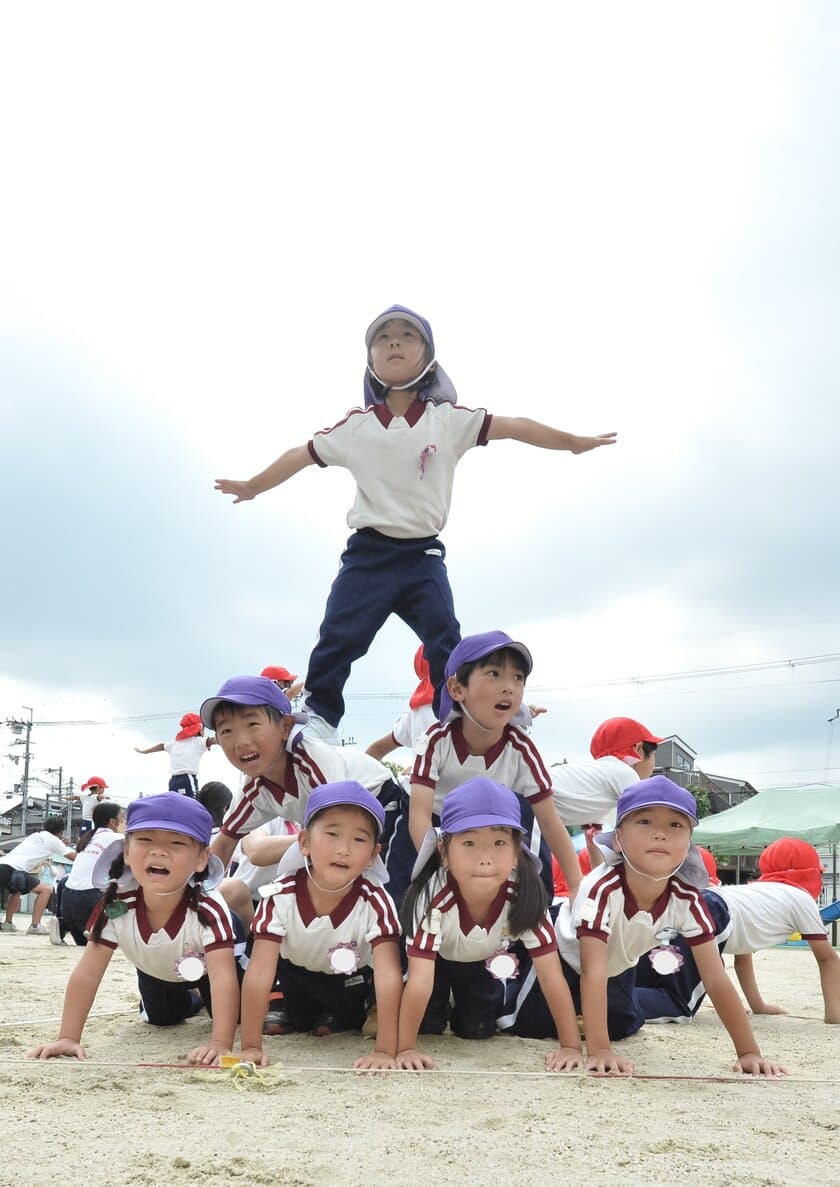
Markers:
<point>378,1061</point>
<point>755,1065</point>
<point>565,1059</point>
<point>254,1055</point>
<point>413,1060</point>
<point>59,1047</point>
<point>610,1064</point>
<point>584,444</point>
<point>229,486</point>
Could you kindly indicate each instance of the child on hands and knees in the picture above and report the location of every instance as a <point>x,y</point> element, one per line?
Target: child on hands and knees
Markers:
<point>402,450</point>
<point>475,902</point>
<point>762,914</point>
<point>177,932</point>
<point>334,926</point>
<point>479,734</point>
<point>645,895</point>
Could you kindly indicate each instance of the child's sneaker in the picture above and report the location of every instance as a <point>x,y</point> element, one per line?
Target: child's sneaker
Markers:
<point>324,1025</point>
<point>37,929</point>
<point>8,925</point>
<point>54,928</point>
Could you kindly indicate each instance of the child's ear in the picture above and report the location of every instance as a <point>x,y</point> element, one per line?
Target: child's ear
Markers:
<point>455,689</point>
<point>202,858</point>
<point>303,842</point>
<point>377,849</point>
<point>287,724</point>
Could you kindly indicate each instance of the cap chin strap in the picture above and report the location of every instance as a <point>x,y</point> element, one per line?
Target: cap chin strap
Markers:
<point>326,889</point>
<point>651,877</point>
<point>402,387</point>
<point>477,724</point>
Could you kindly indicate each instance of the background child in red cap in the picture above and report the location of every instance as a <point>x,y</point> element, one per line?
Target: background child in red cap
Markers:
<point>402,451</point>
<point>95,787</point>
<point>763,913</point>
<point>185,754</point>
<point>285,680</point>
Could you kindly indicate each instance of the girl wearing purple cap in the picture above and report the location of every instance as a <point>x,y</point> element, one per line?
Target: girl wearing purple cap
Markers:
<point>175,930</point>
<point>477,905</point>
<point>402,451</point>
<point>327,930</point>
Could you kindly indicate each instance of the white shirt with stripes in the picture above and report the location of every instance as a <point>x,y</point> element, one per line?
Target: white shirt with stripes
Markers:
<point>404,466</point>
<point>443,762</point>
<point>447,928</point>
<point>364,918</point>
<point>189,932</point>
<point>605,908</point>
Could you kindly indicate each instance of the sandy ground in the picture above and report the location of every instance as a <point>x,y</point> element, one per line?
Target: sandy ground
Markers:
<point>487,1116</point>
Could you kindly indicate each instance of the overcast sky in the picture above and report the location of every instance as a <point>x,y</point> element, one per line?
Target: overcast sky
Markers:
<point>616,217</point>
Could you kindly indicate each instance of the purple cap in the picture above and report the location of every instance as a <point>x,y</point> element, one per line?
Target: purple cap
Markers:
<point>346,794</point>
<point>480,803</point>
<point>437,386</point>
<point>178,813</point>
<point>657,792</point>
<point>250,690</point>
<point>473,648</point>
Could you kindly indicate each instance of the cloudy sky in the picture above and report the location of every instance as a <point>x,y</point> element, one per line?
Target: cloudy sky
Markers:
<point>616,217</point>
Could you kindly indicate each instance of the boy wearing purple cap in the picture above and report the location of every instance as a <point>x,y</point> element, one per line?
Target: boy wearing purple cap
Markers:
<point>402,451</point>
<point>255,724</point>
<point>334,926</point>
<point>485,684</point>
<point>160,909</point>
<point>646,894</point>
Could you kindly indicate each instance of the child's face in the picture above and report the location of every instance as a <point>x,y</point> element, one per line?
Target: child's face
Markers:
<point>492,694</point>
<point>340,843</point>
<point>481,859</point>
<point>163,861</point>
<point>397,353</point>
<point>251,741</point>
<point>655,840</point>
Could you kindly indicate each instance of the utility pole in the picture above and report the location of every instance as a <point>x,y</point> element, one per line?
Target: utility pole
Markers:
<point>57,771</point>
<point>25,783</point>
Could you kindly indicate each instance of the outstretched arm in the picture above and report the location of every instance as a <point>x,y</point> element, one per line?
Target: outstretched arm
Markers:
<point>151,749</point>
<point>532,432</point>
<point>745,972</point>
<point>78,999</point>
<point>286,466</point>
<point>829,966</point>
<point>731,1013</point>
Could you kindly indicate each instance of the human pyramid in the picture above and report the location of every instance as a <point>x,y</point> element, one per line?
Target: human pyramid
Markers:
<point>407,907</point>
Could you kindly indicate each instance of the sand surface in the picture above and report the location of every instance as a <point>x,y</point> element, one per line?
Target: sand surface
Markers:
<point>484,1118</point>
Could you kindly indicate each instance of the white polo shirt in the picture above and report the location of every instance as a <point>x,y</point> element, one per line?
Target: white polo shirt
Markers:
<point>404,466</point>
<point>765,913</point>
<point>184,756</point>
<point>309,764</point>
<point>447,928</point>
<point>586,793</point>
<point>365,917</point>
<point>188,933</point>
<point>605,908</point>
<point>409,728</point>
<point>35,851</point>
<point>80,876</point>
<point>443,762</point>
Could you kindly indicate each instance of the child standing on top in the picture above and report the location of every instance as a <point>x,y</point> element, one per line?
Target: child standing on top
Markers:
<point>645,895</point>
<point>335,928</point>
<point>176,931</point>
<point>185,754</point>
<point>402,450</point>
<point>475,905</point>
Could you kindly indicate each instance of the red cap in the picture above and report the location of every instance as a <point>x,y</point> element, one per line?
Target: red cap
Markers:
<point>710,864</point>
<point>424,693</point>
<point>617,736</point>
<point>191,727</point>
<point>794,862</point>
<point>272,673</point>
<point>94,781</point>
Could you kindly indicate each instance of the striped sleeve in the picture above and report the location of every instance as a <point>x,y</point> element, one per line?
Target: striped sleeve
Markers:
<point>242,816</point>
<point>540,940</point>
<point>385,924</point>
<point>217,925</point>
<point>533,781</point>
<point>269,922</point>
<point>592,912</point>
<point>699,925</point>
<point>427,755</point>
<point>426,942</point>
<point>329,447</point>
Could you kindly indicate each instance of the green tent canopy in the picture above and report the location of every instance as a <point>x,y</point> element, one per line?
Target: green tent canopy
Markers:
<point>812,813</point>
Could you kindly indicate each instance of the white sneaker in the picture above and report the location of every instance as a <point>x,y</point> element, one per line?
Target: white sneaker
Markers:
<point>37,929</point>
<point>320,729</point>
<point>54,928</point>
<point>8,925</point>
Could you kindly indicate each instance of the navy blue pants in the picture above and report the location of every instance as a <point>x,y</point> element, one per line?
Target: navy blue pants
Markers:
<point>184,784</point>
<point>531,1017</point>
<point>677,997</point>
<point>308,995</point>
<point>75,909</point>
<point>466,997</point>
<point>380,576</point>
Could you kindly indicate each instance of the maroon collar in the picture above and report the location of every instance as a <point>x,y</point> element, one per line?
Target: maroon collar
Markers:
<point>463,752</point>
<point>306,907</point>
<point>631,907</point>
<point>173,924</point>
<point>465,919</point>
<point>412,414</point>
<point>289,786</point>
